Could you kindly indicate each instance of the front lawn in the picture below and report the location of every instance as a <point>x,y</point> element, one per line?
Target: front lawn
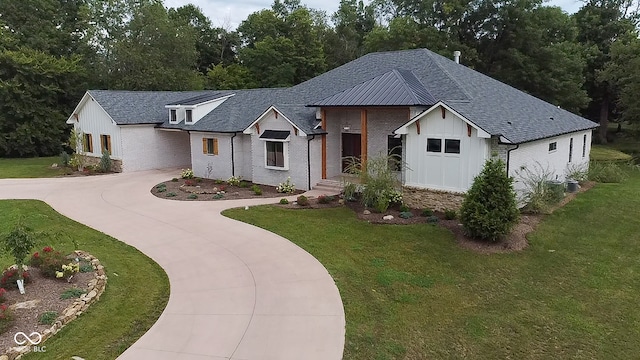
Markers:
<point>29,168</point>
<point>410,292</point>
<point>137,290</point>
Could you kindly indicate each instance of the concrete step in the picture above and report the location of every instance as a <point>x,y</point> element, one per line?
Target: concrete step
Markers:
<point>329,186</point>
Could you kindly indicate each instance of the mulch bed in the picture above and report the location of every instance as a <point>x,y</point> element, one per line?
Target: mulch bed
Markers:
<point>516,241</point>
<point>206,189</point>
<point>47,292</point>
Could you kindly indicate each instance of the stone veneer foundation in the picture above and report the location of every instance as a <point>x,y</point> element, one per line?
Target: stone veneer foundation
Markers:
<point>435,200</point>
<point>95,288</point>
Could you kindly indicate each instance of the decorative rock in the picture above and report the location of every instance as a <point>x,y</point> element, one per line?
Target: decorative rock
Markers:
<point>4,357</point>
<point>366,212</point>
<point>387,217</point>
<point>24,305</point>
<point>341,202</point>
<point>436,200</point>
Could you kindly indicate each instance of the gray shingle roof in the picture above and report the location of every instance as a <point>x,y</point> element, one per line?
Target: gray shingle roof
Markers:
<point>201,98</point>
<point>140,107</point>
<point>394,88</point>
<point>493,106</point>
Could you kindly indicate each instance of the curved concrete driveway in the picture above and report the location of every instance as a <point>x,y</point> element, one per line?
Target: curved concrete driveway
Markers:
<point>237,291</point>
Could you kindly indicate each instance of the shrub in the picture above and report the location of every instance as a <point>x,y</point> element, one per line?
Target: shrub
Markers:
<point>48,318</point>
<point>302,200</point>
<point>427,212</point>
<point>48,261</point>
<point>284,201</point>
<point>218,196</point>
<point>234,180</point>
<point>577,172</point>
<point>19,243</point>
<point>404,208</point>
<point>105,162</point>
<point>6,318</point>
<point>174,180</point>
<point>324,199</point>
<point>198,180</point>
<point>379,181</point>
<point>432,219</point>
<point>540,190</point>
<point>606,172</point>
<point>286,187</point>
<point>161,190</point>
<point>72,293</point>
<point>187,174</point>
<point>489,209</point>
<point>86,267</point>
<point>256,190</point>
<point>192,196</point>
<point>65,159</point>
<point>406,214</point>
<point>349,191</point>
<point>244,184</point>
<point>11,275</point>
<point>67,271</point>
<point>450,214</point>
<point>161,185</point>
<point>218,181</point>
<point>190,182</point>
<point>3,298</point>
<point>171,194</point>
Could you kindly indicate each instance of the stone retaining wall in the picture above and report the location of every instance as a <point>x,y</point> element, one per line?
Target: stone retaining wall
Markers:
<point>116,165</point>
<point>435,200</point>
<point>94,290</point>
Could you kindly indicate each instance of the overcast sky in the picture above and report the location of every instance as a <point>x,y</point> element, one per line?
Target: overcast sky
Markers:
<point>229,13</point>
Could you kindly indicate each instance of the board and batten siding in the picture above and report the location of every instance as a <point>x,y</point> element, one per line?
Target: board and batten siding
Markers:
<point>94,120</point>
<point>441,171</point>
<point>535,155</point>
<point>147,148</point>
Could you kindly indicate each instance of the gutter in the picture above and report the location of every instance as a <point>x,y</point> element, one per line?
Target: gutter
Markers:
<point>509,156</point>
<point>309,158</point>
<point>233,163</point>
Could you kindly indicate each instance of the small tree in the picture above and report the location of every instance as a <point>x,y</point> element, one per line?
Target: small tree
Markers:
<point>19,243</point>
<point>76,143</point>
<point>490,209</point>
<point>105,162</point>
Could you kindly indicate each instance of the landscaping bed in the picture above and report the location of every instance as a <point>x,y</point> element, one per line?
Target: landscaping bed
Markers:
<point>200,189</point>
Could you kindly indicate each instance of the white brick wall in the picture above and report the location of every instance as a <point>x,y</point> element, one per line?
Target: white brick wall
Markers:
<point>144,148</point>
<point>220,164</point>
<point>380,124</point>
<point>537,152</point>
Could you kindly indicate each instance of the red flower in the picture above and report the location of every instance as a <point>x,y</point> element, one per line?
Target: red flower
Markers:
<point>47,249</point>
<point>36,255</point>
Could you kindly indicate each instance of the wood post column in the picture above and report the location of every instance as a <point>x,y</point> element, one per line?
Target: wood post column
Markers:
<point>363,138</point>
<point>324,144</point>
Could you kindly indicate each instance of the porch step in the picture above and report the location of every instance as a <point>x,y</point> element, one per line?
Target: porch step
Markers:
<point>329,186</point>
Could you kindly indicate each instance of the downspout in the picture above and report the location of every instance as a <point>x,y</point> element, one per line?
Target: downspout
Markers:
<point>509,156</point>
<point>309,159</point>
<point>233,163</point>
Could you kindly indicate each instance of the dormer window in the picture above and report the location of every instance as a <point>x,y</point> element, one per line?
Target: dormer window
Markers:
<point>173,115</point>
<point>189,116</point>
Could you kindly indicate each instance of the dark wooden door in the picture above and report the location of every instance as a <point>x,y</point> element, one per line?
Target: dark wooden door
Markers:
<point>351,148</point>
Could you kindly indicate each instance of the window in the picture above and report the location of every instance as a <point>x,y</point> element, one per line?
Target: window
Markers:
<point>434,145</point>
<point>210,146</point>
<point>584,145</point>
<point>394,149</point>
<point>87,143</point>
<point>105,143</point>
<point>173,115</point>
<point>452,146</point>
<point>570,149</point>
<point>275,154</point>
<point>189,118</point>
<point>553,146</point>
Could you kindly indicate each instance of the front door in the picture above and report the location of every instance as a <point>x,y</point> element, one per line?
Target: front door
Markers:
<point>351,149</point>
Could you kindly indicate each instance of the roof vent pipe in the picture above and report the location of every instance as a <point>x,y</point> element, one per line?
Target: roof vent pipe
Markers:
<point>456,56</point>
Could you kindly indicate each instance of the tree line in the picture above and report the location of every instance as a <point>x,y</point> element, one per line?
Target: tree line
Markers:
<point>51,51</point>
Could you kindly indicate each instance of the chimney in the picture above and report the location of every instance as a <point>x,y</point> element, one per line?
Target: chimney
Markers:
<point>456,56</point>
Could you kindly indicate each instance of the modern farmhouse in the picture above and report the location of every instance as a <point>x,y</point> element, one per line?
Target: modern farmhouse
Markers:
<point>443,118</point>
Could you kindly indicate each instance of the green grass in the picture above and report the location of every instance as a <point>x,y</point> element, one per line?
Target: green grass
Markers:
<point>410,292</point>
<point>29,168</point>
<point>606,153</point>
<point>137,290</point>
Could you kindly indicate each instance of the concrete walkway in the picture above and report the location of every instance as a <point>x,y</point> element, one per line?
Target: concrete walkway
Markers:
<point>237,291</point>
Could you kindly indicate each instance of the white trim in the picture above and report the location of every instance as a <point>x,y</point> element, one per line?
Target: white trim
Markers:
<point>404,129</point>
<point>247,131</point>
<point>285,154</point>
<point>170,130</point>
